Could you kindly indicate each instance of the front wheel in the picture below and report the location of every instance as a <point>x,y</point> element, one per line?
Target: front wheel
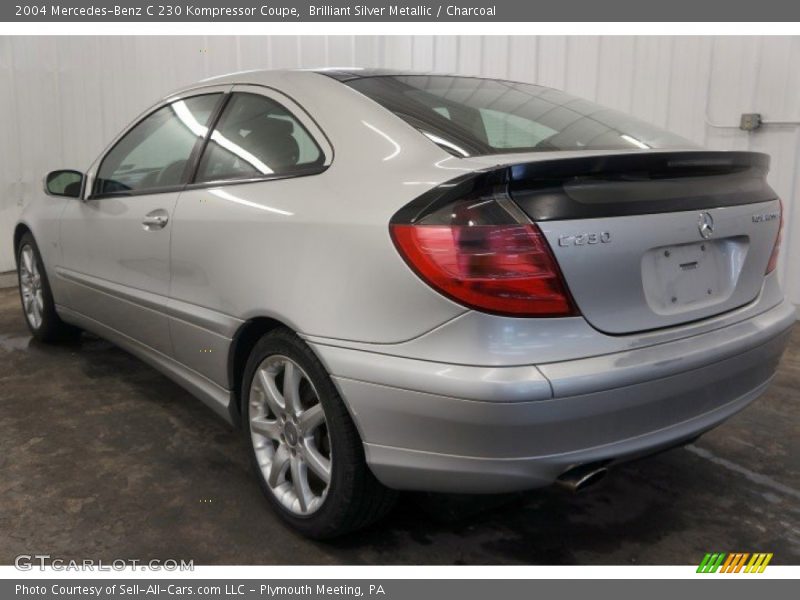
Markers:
<point>304,445</point>
<point>37,299</point>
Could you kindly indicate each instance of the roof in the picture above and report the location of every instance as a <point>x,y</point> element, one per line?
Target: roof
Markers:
<point>350,73</point>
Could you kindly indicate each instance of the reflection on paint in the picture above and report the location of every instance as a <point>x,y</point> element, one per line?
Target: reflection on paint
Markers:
<point>439,141</point>
<point>225,195</point>
<point>387,138</point>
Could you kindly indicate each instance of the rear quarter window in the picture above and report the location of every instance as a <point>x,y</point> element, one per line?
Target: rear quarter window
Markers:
<point>257,137</point>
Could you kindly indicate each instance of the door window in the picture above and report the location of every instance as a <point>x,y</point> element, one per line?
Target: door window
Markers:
<point>154,154</point>
<point>257,137</point>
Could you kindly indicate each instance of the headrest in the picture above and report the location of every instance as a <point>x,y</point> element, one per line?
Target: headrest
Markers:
<point>272,140</point>
<point>263,126</point>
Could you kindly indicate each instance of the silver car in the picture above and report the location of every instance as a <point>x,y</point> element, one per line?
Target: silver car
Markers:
<point>395,281</point>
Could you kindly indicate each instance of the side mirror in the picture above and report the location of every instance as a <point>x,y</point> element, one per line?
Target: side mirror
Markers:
<point>65,182</point>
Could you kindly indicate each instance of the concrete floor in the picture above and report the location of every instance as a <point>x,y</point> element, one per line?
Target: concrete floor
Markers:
<point>102,457</point>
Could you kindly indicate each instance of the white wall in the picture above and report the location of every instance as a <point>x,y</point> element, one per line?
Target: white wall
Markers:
<point>62,98</point>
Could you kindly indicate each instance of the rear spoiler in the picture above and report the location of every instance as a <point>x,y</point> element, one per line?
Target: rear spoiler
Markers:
<point>614,185</point>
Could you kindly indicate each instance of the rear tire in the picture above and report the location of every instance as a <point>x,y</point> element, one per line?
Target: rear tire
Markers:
<point>287,444</point>
<point>36,297</point>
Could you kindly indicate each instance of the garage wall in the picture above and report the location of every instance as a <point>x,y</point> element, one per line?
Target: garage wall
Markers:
<point>62,98</point>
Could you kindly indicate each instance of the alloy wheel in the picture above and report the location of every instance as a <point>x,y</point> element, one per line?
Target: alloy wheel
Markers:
<point>31,287</point>
<point>290,435</point>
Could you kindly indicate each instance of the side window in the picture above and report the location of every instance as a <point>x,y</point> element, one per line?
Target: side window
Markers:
<point>154,153</point>
<point>254,137</point>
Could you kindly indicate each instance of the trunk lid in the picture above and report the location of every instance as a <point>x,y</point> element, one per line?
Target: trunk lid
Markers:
<point>656,239</point>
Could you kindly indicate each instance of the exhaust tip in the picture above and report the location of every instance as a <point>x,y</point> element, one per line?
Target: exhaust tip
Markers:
<point>581,477</point>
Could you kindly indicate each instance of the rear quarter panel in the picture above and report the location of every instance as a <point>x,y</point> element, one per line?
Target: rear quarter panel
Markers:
<point>314,252</point>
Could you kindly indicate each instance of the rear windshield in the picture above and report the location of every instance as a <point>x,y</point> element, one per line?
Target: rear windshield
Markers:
<point>470,116</point>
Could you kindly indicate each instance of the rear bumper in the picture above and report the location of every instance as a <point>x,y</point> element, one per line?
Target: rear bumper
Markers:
<point>439,427</point>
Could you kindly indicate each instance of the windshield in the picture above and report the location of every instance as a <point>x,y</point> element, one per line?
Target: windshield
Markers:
<point>470,116</point>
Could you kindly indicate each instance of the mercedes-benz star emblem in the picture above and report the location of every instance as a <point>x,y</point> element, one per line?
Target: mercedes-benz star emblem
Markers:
<point>705,223</point>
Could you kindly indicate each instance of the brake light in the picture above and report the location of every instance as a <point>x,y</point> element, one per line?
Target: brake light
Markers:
<point>475,252</point>
<point>773,259</point>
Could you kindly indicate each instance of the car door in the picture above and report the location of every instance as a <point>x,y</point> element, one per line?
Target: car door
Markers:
<point>257,166</point>
<point>116,242</point>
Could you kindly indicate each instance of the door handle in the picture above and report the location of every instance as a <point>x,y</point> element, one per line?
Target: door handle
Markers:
<point>155,220</point>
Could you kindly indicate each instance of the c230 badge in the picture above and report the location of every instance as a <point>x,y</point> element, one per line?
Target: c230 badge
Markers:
<point>585,239</point>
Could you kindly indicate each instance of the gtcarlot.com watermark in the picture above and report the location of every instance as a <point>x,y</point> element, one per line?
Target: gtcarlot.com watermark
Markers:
<point>42,562</point>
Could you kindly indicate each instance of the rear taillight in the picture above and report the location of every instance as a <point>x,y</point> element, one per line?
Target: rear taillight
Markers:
<point>475,251</point>
<point>773,259</point>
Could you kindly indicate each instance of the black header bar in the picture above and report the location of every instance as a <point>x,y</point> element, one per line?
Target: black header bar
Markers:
<point>414,11</point>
